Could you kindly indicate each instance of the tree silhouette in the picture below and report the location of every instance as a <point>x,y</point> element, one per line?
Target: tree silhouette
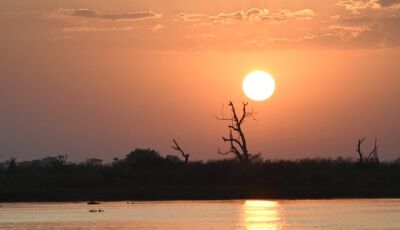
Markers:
<point>237,139</point>
<point>372,157</point>
<point>142,158</point>
<point>93,162</point>
<point>55,161</point>
<point>11,164</point>
<point>178,148</point>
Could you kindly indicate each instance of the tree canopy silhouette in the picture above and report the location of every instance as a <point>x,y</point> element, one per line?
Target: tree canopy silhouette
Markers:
<point>145,175</point>
<point>143,157</point>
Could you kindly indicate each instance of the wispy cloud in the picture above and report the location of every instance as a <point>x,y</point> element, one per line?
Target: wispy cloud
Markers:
<point>115,16</point>
<point>190,17</point>
<point>284,15</point>
<point>347,32</point>
<point>157,27</point>
<point>356,6</point>
<point>252,15</point>
<point>95,29</point>
<point>389,3</point>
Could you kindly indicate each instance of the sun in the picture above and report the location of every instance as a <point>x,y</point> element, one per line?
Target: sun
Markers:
<point>259,85</point>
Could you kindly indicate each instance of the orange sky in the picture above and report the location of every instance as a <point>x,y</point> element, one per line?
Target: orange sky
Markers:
<point>95,78</point>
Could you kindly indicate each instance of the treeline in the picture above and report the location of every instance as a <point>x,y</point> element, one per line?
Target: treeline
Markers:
<point>145,175</point>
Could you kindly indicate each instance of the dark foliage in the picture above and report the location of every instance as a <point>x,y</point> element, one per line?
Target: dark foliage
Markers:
<point>145,175</point>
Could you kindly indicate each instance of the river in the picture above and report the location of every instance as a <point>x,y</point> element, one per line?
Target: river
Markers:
<point>200,215</point>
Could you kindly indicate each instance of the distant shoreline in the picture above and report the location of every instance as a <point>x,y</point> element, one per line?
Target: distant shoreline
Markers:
<point>145,175</point>
<point>172,194</point>
<point>198,200</point>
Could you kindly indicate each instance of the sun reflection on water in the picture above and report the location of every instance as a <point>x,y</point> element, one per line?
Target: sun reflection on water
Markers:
<point>261,215</point>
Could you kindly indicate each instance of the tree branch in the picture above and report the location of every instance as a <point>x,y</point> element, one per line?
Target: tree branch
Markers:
<point>360,153</point>
<point>238,144</point>
<point>178,148</point>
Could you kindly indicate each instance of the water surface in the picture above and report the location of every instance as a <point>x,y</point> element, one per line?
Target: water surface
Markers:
<point>218,215</point>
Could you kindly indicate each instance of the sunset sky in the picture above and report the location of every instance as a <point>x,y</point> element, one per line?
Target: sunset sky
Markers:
<point>97,78</point>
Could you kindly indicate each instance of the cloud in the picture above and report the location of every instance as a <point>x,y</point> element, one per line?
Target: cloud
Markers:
<point>252,15</point>
<point>122,16</point>
<point>85,13</point>
<point>389,3</point>
<point>284,15</point>
<point>95,29</point>
<point>361,24</point>
<point>356,6</point>
<point>346,32</point>
<point>370,24</point>
<point>190,17</point>
<point>306,14</point>
<point>157,27</point>
<point>359,6</point>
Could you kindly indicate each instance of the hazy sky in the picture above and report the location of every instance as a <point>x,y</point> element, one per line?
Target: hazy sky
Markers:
<point>97,78</point>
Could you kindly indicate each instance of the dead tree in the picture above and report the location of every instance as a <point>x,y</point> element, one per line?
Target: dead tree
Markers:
<point>372,157</point>
<point>178,148</point>
<point>237,139</point>
<point>359,151</point>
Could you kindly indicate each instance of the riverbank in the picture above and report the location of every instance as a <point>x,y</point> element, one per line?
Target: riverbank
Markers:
<point>162,179</point>
<point>192,193</point>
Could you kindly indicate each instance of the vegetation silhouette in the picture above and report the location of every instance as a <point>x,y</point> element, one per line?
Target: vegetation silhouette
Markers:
<point>372,157</point>
<point>178,148</point>
<point>143,174</point>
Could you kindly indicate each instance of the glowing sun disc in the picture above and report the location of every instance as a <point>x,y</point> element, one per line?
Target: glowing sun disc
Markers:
<point>259,85</point>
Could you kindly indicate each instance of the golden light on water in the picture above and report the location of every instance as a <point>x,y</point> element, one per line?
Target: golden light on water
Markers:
<point>261,215</point>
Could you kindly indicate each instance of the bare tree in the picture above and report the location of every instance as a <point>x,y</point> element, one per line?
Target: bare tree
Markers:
<point>178,148</point>
<point>359,151</point>
<point>372,157</point>
<point>237,139</point>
